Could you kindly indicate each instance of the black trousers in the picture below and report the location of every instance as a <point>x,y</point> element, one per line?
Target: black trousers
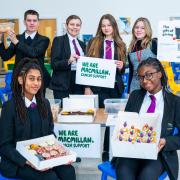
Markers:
<point>64,172</point>
<point>138,169</point>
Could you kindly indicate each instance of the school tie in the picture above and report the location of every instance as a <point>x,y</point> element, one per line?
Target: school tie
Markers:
<point>28,40</point>
<point>33,105</point>
<point>75,47</point>
<point>108,49</point>
<point>151,108</point>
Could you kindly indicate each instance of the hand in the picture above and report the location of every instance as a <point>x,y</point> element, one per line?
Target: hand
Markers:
<point>88,91</point>
<point>69,163</point>
<point>12,37</point>
<point>162,143</point>
<point>73,58</point>
<point>119,64</point>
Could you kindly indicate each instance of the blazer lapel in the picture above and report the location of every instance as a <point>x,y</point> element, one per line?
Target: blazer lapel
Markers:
<point>67,48</point>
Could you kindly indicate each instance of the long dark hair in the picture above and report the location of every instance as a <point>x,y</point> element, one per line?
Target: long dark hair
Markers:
<point>22,69</point>
<point>156,64</point>
<point>96,44</point>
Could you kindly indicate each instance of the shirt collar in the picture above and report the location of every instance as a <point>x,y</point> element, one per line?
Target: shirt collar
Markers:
<point>158,95</point>
<point>31,35</point>
<point>28,102</point>
<point>71,38</point>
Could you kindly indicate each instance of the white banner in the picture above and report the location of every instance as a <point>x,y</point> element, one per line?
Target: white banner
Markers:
<point>84,139</point>
<point>96,72</point>
<point>169,41</point>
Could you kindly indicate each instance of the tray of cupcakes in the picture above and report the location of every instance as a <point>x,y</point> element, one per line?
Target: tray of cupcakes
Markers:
<point>45,152</point>
<point>136,135</point>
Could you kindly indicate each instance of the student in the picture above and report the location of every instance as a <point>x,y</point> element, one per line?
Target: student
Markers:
<point>29,44</point>
<point>141,47</point>
<point>27,115</point>
<point>153,94</point>
<point>109,45</point>
<point>65,51</point>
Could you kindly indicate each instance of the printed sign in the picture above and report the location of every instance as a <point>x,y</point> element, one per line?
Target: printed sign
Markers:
<point>169,41</point>
<point>84,139</point>
<point>96,72</point>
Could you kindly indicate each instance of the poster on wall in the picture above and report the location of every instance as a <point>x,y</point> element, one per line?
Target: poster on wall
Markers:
<point>84,139</point>
<point>169,41</point>
<point>96,72</point>
<point>124,24</point>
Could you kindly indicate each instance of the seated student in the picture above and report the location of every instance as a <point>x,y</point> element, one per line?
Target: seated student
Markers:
<point>153,97</point>
<point>27,115</point>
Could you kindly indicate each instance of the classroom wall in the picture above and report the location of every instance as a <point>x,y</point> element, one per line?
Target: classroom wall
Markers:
<point>91,11</point>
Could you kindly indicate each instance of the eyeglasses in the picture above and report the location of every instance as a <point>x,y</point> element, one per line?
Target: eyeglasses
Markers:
<point>147,76</point>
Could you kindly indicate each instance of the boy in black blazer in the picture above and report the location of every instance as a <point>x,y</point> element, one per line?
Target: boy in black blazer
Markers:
<point>29,44</point>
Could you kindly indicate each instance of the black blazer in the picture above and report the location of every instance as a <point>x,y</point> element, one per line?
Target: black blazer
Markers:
<point>36,49</point>
<point>60,54</point>
<point>171,119</point>
<point>119,80</point>
<point>12,129</point>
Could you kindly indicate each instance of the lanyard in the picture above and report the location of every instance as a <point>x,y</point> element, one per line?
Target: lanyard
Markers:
<point>138,54</point>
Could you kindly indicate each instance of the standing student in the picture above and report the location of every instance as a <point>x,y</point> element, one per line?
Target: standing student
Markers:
<point>109,45</point>
<point>153,98</point>
<point>26,116</point>
<point>29,44</point>
<point>141,47</point>
<point>65,51</point>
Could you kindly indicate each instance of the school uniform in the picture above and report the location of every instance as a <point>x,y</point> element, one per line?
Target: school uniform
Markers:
<point>31,46</point>
<point>63,77</point>
<point>137,55</point>
<point>12,130</point>
<point>168,104</point>
<point>106,93</point>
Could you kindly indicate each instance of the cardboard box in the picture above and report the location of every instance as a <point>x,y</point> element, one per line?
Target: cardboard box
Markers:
<point>135,149</point>
<point>21,146</point>
<point>71,107</point>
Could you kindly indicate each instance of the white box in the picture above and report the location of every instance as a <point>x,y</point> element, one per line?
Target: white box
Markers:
<point>113,106</point>
<point>136,150</point>
<point>21,147</point>
<point>75,105</point>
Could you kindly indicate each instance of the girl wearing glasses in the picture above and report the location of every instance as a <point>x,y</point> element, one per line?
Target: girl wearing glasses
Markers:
<point>26,116</point>
<point>109,45</point>
<point>141,47</point>
<point>153,81</point>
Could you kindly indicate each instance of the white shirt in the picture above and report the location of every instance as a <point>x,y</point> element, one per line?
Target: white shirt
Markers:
<point>31,35</point>
<point>28,102</point>
<point>112,49</point>
<point>73,65</point>
<point>159,103</point>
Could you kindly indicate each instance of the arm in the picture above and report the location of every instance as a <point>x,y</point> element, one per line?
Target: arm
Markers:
<point>8,53</point>
<point>7,135</point>
<point>131,69</point>
<point>173,142</point>
<point>57,61</point>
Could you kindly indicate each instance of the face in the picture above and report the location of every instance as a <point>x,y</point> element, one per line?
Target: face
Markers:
<point>107,28</point>
<point>150,79</point>
<point>139,30</point>
<point>32,83</point>
<point>31,22</point>
<point>74,27</point>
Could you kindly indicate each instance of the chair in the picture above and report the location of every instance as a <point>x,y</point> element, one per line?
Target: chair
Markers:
<point>7,89</point>
<point>108,170</point>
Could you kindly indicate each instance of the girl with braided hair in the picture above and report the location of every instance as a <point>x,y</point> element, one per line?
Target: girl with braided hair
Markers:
<point>26,116</point>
